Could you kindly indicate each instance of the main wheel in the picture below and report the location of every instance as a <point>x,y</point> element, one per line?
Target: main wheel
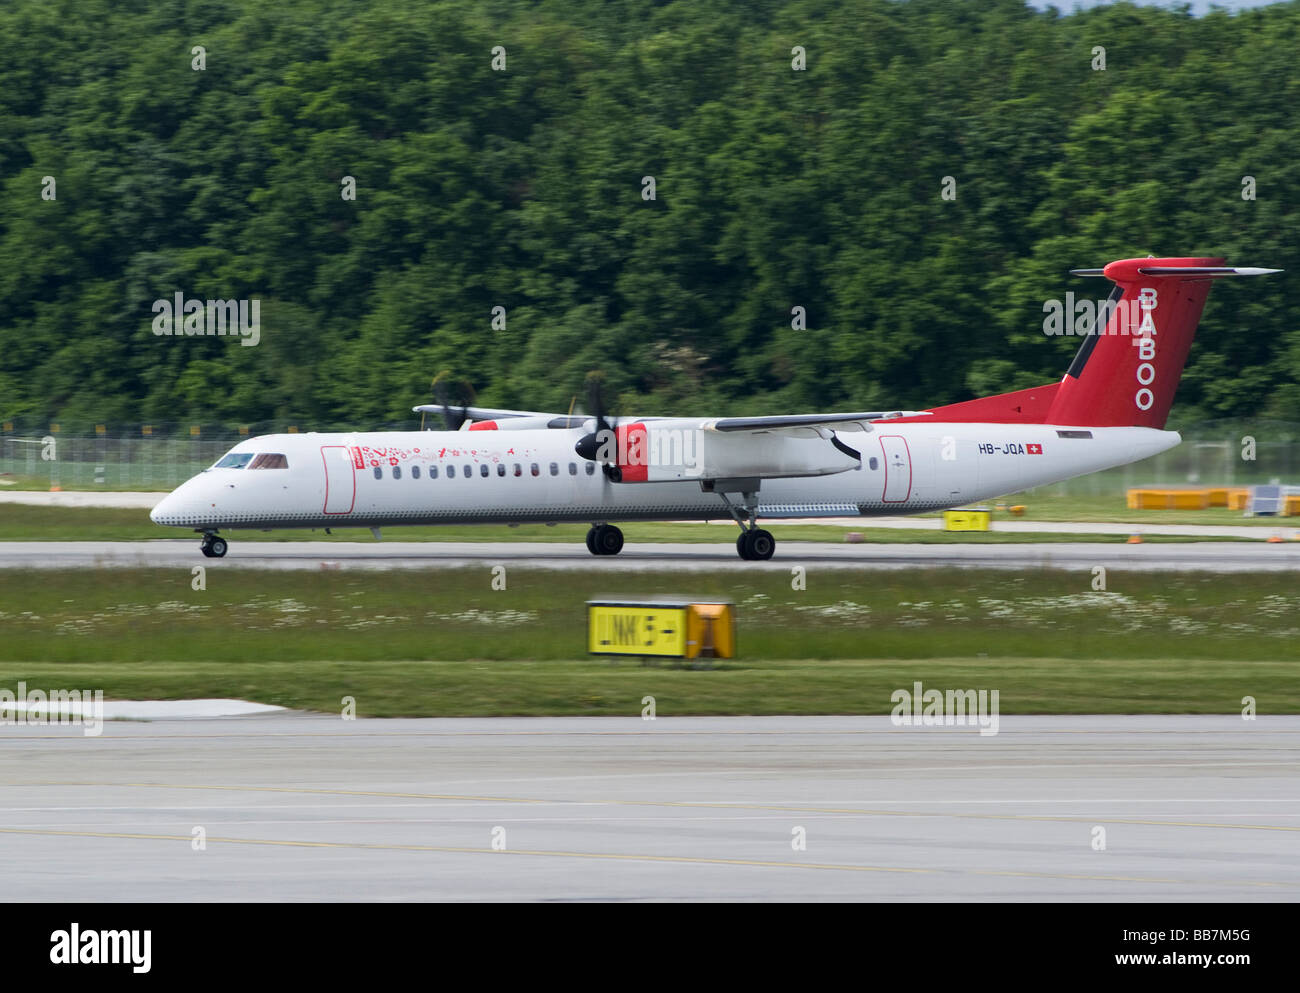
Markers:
<point>742,546</point>
<point>217,547</point>
<point>608,540</point>
<point>591,540</point>
<point>761,545</point>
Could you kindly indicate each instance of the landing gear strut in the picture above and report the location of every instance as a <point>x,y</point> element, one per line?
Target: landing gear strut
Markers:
<point>754,544</point>
<point>604,539</point>
<point>212,546</point>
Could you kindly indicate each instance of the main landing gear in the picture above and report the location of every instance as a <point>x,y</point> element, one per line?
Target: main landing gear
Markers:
<point>604,539</point>
<point>754,544</point>
<point>212,546</point>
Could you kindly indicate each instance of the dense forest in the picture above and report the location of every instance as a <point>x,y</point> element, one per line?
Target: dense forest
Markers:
<point>917,176</point>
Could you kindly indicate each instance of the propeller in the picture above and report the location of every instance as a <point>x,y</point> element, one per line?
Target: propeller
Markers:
<point>442,391</point>
<point>600,441</point>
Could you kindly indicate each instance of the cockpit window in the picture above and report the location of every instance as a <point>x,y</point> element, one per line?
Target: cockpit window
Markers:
<point>267,460</point>
<point>234,460</point>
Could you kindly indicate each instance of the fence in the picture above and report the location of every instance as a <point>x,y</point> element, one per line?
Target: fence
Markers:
<point>146,458</point>
<point>1223,453</point>
<point>106,462</point>
<point>143,457</point>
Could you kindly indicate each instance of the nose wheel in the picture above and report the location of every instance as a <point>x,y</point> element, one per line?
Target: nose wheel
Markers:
<point>212,546</point>
<point>604,539</point>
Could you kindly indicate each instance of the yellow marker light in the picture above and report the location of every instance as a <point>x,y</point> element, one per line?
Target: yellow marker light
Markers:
<point>976,519</point>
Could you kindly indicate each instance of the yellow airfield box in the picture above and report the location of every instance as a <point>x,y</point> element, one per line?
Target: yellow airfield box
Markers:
<point>970,519</point>
<point>666,627</point>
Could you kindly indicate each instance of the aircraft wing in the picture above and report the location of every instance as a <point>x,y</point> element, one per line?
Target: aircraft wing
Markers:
<point>776,422</point>
<point>779,422</point>
<point>491,417</point>
<point>482,413</point>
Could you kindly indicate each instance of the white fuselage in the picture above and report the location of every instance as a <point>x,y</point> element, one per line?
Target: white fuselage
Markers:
<point>457,477</point>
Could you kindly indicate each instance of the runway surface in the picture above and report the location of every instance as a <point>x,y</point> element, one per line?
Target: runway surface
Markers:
<point>1191,556</point>
<point>299,807</point>
<point>119,499</point>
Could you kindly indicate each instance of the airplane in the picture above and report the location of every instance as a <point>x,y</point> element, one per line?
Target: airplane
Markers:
<point>516,466</point>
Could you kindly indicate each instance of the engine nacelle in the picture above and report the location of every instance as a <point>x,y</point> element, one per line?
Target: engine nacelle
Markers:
<point>671,450</point>
<point>532,422</point>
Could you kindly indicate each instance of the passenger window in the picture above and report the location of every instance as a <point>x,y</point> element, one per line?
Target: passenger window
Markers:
<point>397,472</point>
<point>591,468</point>
<point>555,469</point>
<point>469,470</point>
<point>573,468</point>
<point>873,462</point>
<point>536,470</point>
<point>268,461</point>
<point>451,472</point>
<point>415,472</point>
<point>379,473</point>
<point>519,470</point>
<point>501,468</point>
<point>483,470</point>
<point>433,472</point>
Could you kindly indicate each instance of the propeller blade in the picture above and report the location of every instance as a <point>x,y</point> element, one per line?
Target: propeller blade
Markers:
<point>590,446</point>
<point>452,418</point>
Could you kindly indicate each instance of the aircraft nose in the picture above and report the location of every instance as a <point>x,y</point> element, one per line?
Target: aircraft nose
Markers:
<point>168,509</point>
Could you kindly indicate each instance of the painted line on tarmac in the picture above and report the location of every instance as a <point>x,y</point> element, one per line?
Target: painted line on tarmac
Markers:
<point>693,804</point>
<point>968,731</point>
<point>630,857</point>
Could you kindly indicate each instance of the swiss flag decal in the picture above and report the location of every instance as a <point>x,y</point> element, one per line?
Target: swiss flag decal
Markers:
<point>1034,449</point>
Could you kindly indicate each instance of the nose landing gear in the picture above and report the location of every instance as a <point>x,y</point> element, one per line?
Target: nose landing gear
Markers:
<point>212,546</point>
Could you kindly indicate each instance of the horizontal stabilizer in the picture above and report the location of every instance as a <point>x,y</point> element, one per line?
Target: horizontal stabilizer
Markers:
<point>1209,271</point>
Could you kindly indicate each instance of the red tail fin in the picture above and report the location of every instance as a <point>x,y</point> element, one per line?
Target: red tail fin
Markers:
<point>1128,368</point>
<point>1127,371</point>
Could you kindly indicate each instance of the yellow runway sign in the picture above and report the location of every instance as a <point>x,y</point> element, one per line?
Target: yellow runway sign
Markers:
<point>634,630</point>
<point>671,629</point>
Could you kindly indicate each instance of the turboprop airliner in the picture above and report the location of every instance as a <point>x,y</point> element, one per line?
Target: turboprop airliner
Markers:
<point>515,466</point>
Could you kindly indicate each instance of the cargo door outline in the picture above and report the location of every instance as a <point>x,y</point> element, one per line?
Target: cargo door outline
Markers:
<point>898,468</point>
<point>340,479</point>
